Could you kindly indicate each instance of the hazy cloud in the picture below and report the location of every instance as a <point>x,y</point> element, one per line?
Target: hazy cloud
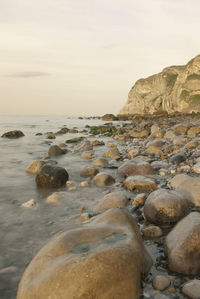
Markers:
<point>28,74</point>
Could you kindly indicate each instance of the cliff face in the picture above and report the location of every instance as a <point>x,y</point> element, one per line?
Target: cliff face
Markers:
<point>176,88</point>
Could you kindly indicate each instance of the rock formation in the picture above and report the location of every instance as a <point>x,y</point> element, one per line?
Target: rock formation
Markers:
<point>175,89</point>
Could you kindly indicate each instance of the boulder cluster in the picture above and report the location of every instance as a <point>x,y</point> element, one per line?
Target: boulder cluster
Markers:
<point>146,195</point>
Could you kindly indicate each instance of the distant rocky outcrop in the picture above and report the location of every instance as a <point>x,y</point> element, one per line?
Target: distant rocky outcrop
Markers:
<point>175,89</point>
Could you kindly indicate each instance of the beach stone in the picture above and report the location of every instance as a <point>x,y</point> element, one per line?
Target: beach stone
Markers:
<point>170,134</point>
<point>196,167</point>
<point>178,158</point>
<point>166,206</point>
<point>191,187</point>
<point>134,168</point>
<point>13,134</point>
<point>193,131</point>
<point>133,152</point>
<point>160,296</point>
<point>51,135</point>
<point>55,150</point>
<point>139,134</point>
<point>103,258</point>
<point>112,200</point>
<point>179,140</point>
<point>155,128</point>
<point>88,171</point>
<point>97,143</point>
<point>183,245</point>
<point>63,130</point>
<point>85,146</point>
<point>85,184</point>
<point>159,164</point>
<point>154,150</point>
<point>87,155</point>
<point>158,142</point>
<point>74,140</point>
<point>29,204</point>
<point>51,177</point>
<point>178,179</point>
<point>112,153</point>
<point>100,162</point>
<point>180,129</point>
<point>109,117</point>
<point>191,144</point>
<point>140,183</point>
<point>151,231</point>
<point>103,179</point>
<point>56,197</point>
<point>139,199</point>
<point>35,166</point>
<point>192,289</point>
<point>161,282</point>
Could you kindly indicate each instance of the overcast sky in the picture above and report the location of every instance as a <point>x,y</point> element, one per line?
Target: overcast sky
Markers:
<point>83,56</point>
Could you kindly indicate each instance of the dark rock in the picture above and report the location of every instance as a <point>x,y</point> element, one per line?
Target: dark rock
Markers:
<point>13,134</point>
<point>177,158</point>
<point>51,177</point>
<point>109,117</point>
<point>55,150</point>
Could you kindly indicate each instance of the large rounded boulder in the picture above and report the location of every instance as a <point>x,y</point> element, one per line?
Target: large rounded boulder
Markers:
<point>134,168</point>
<point>51,177</point>
<point>55,150</point>
<point>102,259</point>
<point>183,245</point>
<point>166,206</point>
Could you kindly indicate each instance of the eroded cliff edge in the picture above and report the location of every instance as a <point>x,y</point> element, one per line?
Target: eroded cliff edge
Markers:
<point>175,89</point>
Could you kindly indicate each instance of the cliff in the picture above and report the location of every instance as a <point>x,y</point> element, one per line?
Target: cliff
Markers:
<point>175,89</point>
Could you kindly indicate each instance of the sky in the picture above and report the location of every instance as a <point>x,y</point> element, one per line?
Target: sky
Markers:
<point>81,57</point>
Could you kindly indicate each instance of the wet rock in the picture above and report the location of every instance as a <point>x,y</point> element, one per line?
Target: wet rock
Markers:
<point>169,134</point>
<point>192,289</point>
<point>140,183</point>
<point>166,206</point>
<point>63,131</point>
<point>103,179</point>
<point>180,129</point>
<point>73,131</point>
<point>139,199</point>
<point>55,150</point>
<point>177,158</point>
<point>35,166</point>
<point>104,258</point>
<point>109,117</point>
<point>8,270</point>
<point>29,204</point>
<point>151,231</point>
<point>51,177</point>
<point>50,135</point>
<point>180,140</point>
<point>85,146</point>
<point>85,184</point>
<point>139,134</point>
<point>154,150</point>
<point>112,200</point>
<point>87,155</point>
<point>193,132</point>
<point>133,168</point>
<point>159,164</point>
<point>100,162</point>
<point>156,142</point>
<point>88,171</point>
<point>191,144</point>
<point>196,167</point>
<point>133,152</point>
<point>56,197</point>
<point>112,153</point>
<point>161,282</point>
<point>191,187</point>
<point>97,143</point>
<point>183,245</point>
<point>178,179</point>
<point>75,140</point>
<point>13,134</point>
